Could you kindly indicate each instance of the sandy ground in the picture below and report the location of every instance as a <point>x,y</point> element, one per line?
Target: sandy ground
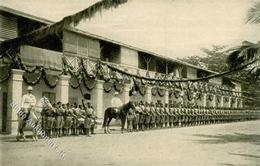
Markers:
<point>233,144</point>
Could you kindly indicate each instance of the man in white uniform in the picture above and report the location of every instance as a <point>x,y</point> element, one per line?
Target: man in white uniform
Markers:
<point>116,102</point>
<point>28,101</point>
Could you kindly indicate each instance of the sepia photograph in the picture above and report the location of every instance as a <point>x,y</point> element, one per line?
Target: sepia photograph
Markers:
<point>130,82</point>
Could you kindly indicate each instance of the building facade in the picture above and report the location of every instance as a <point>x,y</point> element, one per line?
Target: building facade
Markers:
<point>79,65</point>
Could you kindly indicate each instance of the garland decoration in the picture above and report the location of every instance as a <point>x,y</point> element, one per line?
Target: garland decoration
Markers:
<point>198,96</point>
<point>118,86</point>
<point>74,81</point>
<point>177,94</point>
<point>190,96</point>
<point>218,99</point>
<point>210,97</point>
<point>154,91</point>
<point>161,92</point>
<point>226,99</point>
<point>108,85</point>
<point>34,77</point>
<point>51,77</point>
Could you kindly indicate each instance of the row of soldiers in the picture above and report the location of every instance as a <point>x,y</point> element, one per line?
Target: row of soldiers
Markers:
<point>68,119</point>
<point>157,115</point>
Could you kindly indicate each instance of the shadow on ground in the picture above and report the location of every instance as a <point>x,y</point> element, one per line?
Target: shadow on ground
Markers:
<point>228,138</point>
<point>246,155</point>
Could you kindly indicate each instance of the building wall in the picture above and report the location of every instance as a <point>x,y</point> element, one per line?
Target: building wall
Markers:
<point>4,89</point>
<point>191,73</point>
<point>79,45</point>
<point>129,57</point>
<point>8,27</point>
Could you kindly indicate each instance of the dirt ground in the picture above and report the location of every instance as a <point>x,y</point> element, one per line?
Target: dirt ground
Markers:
<point>233,144</point>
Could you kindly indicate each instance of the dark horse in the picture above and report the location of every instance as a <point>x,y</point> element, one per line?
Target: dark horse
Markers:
<point>116,113</point>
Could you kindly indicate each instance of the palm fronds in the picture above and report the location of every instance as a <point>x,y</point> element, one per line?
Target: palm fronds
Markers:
<point>246,53</point>
<point>56,28</point>
<point>253,15</point>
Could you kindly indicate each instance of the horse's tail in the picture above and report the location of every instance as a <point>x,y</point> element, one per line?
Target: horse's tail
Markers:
<point>105,118</point>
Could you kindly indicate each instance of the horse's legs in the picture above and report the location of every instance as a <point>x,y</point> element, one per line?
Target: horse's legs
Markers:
<point>122,125</point>
<point>109,120</point>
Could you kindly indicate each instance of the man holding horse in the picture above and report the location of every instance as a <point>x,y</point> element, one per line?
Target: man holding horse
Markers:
<point>116,101</point>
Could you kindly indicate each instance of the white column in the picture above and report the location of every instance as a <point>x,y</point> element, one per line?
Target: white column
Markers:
<point>98,92</point>
<point>221,101</point>
<point>229,102</point>
<point>15,90</point>
<point>126,97</point>
<point>62,89</point>
<point>235,104</point>
<point>148,94</point>
<point>204,100</point>
<point>214,101</point>
<point>166,97</point>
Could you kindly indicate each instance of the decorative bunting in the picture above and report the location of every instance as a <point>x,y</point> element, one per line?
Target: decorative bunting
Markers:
<point>108,86</point>
<point>118,86</point>
<point>33,78</point>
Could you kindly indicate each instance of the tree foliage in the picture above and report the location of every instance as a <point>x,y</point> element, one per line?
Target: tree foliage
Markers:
<point>216,58</point>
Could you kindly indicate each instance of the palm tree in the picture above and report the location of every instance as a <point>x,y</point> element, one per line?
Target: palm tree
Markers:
<point>253,15</point>
<point>57,28</point>
<point>248,53</point>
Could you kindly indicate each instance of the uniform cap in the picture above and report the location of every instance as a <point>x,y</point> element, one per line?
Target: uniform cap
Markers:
<point>29,88</point>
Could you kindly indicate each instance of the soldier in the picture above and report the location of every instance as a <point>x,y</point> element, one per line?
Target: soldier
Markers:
<point>167,114</point>
<point>59,119</point>
<point>88,114</point>
<point>93,118</point>
<point>142,116</point>
<point>74,119</point>
<point>68,119</point>
<point>130,118</point>
<point>137,112</point>
<point>147,115</point>
<point>153,115</point>
<point>171,116</point>
<point>49,120</point>
<point>162,115</point>
<point>158,115</point>
<point>28,102</point>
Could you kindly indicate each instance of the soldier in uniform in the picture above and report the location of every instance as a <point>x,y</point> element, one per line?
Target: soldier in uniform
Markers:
<point>171,116</point>
<point>153,115</point>
<point>162,115</point>
<point>130,119</point>
<point>137,112</point>
<point>88,118</point>
<point>147,115</point>
<point>167,114</point>
<point>157,115</point>
<point>28,102</point>
<point>142,116</point>
<point>59,119</point>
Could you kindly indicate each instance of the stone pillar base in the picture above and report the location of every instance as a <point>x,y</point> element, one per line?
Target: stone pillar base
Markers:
<point>14,127</point>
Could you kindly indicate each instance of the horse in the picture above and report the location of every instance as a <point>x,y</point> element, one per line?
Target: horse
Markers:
<point>32,120</point>
<point>116,113</point>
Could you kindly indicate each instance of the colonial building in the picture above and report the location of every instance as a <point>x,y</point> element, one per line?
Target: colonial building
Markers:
<point>78,65</point>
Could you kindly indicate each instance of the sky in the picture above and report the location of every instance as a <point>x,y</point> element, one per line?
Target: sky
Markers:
<point>173,28</point>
